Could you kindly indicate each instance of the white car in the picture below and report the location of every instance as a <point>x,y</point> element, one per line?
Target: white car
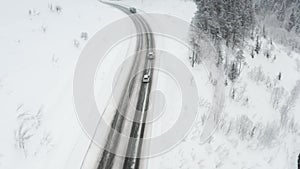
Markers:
<point>151,55</point>
<point>146,78</point>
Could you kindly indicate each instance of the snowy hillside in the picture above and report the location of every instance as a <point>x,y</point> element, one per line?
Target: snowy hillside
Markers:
<point>259,126</point>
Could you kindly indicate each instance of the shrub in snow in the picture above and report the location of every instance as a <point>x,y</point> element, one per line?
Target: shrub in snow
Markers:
<point>279,76</point>
<point>239,92</point>
<point>257,45</point>
<point>267,54</point>
<point>240,60</point>
<point>33,12</point>
<point>44,29</point>
<point>30,136</point>
<point>220,58</point>
<point>257,75</point>
<point>76,43</point>
<point>28,125</point>
<point>269,134</point>
<point>277,95</point>
<point>55,8</point>
<point>233,71</point>
<point>84,35</point>
<point>289,104</point>
<point>252,53</point>
<point>58,9</point>
<point>244,127</point>
<point>55,60</point>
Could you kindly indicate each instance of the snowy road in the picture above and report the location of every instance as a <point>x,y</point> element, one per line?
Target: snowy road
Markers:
<point>138,93</point>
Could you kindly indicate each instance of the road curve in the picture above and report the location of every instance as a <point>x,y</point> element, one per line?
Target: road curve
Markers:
<point>145,42</point>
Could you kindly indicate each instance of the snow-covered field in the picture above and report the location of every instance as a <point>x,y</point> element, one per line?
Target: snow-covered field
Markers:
<point>40,43</point>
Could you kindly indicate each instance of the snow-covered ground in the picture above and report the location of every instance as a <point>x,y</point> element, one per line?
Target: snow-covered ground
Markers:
<point>40,43</point>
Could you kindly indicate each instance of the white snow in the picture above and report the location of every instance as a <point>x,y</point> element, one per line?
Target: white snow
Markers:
<point>38,57</point>
<point>39,50</point>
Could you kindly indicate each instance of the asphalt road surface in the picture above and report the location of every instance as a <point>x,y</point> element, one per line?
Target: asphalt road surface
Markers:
<point>137,94</point>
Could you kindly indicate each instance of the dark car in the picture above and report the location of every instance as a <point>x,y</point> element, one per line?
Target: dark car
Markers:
<point>132,10</point>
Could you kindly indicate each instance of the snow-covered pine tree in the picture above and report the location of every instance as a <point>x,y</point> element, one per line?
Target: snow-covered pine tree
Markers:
<point>257,45</point>
<point>240,58</point>
<point>233,72</point>
<point>291,22</point>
